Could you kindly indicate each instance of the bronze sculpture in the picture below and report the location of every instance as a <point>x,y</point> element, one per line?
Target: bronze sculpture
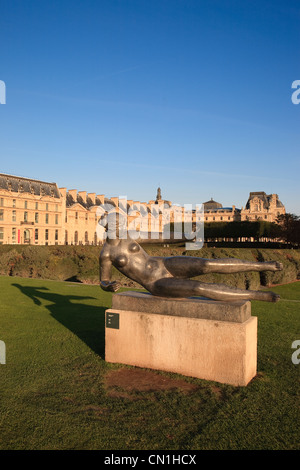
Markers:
<point>170,276</point>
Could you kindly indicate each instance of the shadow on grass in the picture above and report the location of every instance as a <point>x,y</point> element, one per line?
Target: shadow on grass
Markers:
<point>85,321</point>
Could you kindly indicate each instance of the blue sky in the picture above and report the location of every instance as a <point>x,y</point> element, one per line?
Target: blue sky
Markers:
<point>120,97</point>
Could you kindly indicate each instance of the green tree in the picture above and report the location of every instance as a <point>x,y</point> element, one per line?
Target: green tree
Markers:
<point>289,227</point>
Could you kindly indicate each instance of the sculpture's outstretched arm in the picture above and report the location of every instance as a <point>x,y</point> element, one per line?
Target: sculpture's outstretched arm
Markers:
<point>105,276</point>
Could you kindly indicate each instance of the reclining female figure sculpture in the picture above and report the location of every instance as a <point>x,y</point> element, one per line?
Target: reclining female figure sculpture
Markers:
<point>170,276</point>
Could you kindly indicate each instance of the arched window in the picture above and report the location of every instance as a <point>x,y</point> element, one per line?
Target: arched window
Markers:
<point>26,236</point>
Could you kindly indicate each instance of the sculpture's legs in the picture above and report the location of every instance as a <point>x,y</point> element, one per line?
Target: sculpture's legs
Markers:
<point>188,266</point>
<point>174,287</point>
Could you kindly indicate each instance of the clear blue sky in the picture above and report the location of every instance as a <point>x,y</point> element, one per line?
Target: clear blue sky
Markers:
<point>120,97</point>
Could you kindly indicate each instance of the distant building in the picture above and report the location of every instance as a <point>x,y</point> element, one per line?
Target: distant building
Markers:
<point>215,212</point>
<point>39,213</point>
<point>261,206</point>
<point>31,211</point>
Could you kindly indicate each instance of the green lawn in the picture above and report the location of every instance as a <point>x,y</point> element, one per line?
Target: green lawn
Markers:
<point>57,391</point>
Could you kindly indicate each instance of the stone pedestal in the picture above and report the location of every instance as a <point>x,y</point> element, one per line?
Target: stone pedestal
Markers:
<point>195,337</point>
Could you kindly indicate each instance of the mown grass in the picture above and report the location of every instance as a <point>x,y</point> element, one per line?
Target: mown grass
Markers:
<point>54,392</point>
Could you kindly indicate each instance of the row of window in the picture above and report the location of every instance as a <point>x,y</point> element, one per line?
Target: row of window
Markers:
<point>86,215</point>
<point>26,236</point>
<point>37,205</point>
<point>36,234</point>
<point>229,218</point>
<point>36,217</point>
<point>256,217</point>
<point>76,238</point>
<point>46,207</point>
<point>221,218</point>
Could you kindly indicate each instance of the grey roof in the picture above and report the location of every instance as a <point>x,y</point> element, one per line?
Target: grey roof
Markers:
<point>211,205</point>
<point>266,199</point>
<point>19,184</point>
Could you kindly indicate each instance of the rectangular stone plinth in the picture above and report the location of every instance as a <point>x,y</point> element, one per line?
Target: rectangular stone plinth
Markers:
<point>207,348</point>
<point>196,307</point>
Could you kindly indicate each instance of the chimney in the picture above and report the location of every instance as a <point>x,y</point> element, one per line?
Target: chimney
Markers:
<point>274,199</point>
<point>101,198</point>
<point>115,200</point>
<point>92,197</point>
<point>73,193</point>
<point>63,192</point>
<point>82,194</point>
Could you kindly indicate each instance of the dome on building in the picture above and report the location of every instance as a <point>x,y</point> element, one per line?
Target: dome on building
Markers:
<point>212,205</point>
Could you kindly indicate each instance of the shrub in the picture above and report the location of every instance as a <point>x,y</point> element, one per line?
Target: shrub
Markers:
<point>82,263</point>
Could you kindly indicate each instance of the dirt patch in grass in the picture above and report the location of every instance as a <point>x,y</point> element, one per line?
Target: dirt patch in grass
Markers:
<point>141,380</point>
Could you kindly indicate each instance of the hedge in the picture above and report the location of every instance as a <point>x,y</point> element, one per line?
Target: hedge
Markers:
<point>81,263</point>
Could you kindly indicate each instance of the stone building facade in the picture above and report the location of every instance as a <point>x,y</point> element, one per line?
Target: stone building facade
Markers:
<point>39,213</point>
<point>31,211</point>
<point>261,206</point>
<point>215,212</point>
